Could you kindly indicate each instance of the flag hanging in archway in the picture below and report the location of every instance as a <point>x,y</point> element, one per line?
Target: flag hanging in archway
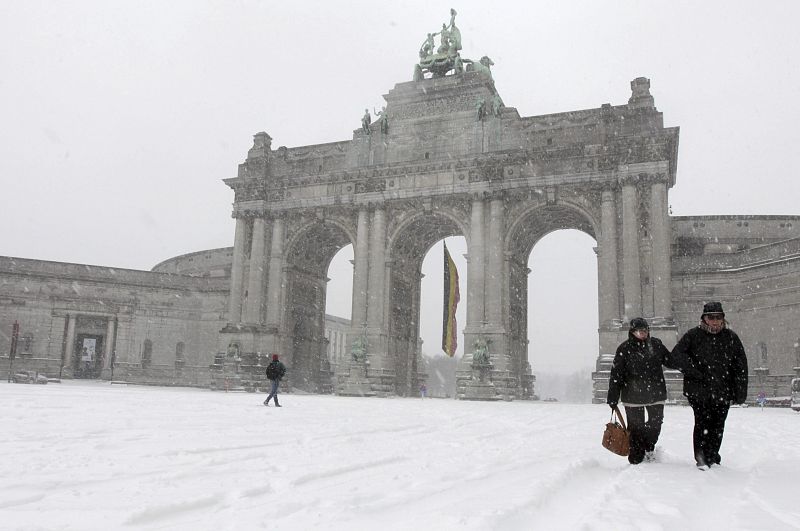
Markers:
<point>450,302</point>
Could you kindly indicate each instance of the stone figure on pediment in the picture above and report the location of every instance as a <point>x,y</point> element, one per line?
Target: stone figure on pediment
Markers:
<point>480,107</point>
<point>365,121</point>
<point>426,49</point>
<point>497,105</point>
<point>383,119</point>
<point>483,65</point>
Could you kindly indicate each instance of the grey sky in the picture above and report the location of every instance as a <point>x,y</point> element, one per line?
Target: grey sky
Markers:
<point>120,118</point>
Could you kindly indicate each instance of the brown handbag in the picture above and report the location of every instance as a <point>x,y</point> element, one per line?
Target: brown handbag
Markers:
<point>616,437</point>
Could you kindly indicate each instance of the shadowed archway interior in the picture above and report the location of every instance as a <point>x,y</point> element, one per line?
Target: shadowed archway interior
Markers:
<point>307,260</point>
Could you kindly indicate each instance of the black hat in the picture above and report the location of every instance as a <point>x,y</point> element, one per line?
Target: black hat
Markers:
<point>639,323</point>
<point>712,307</point>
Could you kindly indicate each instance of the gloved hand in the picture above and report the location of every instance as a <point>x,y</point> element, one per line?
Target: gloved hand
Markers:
<point>612,405</point>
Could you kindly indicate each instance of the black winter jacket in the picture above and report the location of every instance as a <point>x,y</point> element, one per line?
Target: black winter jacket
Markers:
<point>720,365</point>
<point>275,370</point>
<point>636,373</point>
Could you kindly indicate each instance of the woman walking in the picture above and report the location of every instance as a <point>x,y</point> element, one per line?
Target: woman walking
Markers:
<point>637,378</point>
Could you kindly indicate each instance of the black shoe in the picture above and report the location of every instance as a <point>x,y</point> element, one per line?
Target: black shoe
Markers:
<point>266,403</point>
<point>702,464</point>
<point>278,405</point>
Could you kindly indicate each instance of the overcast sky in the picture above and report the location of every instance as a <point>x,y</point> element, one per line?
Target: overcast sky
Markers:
<point>119,119</point>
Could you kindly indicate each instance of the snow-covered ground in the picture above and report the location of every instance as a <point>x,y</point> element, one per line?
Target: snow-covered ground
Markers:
<point>89,455</point>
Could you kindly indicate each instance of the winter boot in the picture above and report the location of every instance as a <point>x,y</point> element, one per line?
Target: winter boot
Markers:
<point>276,402</point>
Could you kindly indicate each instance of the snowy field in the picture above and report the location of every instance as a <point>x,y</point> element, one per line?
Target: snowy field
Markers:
<point>89,455</point>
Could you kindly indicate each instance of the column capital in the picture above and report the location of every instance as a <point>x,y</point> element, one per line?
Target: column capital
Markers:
<point>630,179</point>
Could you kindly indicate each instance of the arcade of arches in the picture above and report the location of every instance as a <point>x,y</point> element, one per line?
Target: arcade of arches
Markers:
<point>501,182</point>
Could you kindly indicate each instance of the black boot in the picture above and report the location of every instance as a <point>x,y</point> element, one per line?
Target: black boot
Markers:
<point>276,402</point>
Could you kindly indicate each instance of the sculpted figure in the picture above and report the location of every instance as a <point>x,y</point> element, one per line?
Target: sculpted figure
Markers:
<point>484,65</point>
<point>455,33</point>
<point>480,107</point>
<point>383,119</point>
<point>427,47</point>
<point>497,105</point>
<point>365,121</point>
<point>480,356</point>
<point>444,47</point>
<point>359,349</point>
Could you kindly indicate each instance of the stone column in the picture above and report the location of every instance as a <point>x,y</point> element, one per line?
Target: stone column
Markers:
<point>237,272</point>
<point>274,286</point>
<point>662,270</point>
<point>632,285</point>
<point>109,346</point>
<point>607,275</point>
<point>255,288</point>
<point>360,271</point>
<point>70,350</point>
<point>495,265</point>
<point>377,259</point>
<point>475,272</point>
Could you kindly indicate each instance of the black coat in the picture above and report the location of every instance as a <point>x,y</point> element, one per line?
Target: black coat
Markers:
<point>636,373</point>
<point>275,370</point>
<point>719,363</point>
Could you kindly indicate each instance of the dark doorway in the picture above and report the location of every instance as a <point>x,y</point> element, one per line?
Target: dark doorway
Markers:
<point>89,354</point>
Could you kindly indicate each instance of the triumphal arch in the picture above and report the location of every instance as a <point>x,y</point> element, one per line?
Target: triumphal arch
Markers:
<point>447,157</point>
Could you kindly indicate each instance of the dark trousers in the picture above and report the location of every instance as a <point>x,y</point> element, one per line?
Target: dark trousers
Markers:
<point>273,392</point>
<point>643,435</point>
<point>709,425</point>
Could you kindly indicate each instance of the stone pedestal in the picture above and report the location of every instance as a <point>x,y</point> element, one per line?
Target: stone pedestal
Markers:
<point>356,382</point>
<point>479,385</point>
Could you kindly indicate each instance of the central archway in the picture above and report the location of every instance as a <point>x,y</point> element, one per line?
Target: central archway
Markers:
<point>408,245</point>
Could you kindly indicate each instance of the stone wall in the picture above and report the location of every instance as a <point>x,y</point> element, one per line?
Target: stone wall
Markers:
<point>125,308</point>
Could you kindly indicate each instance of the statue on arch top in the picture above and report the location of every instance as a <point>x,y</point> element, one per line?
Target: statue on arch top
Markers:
<point>446,57</point>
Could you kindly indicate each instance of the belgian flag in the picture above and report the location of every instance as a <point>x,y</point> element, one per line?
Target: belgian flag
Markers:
<point>450,302</point>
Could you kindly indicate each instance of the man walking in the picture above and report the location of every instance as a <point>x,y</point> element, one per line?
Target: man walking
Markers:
<point>275,371</point>
<point>719,378</point>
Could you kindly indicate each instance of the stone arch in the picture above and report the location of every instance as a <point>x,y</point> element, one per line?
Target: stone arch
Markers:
<point>309,251</point>
<point>546,219</point>
<point>404,220</point>
<point>407,246</point>
<point>525,230</point>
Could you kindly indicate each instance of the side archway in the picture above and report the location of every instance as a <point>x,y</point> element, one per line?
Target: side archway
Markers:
<point>525,230</point>
<point>309,252</point>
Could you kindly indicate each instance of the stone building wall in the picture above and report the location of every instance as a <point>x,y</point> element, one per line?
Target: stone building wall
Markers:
<point>752,265</point>
<point>122,308</point>
<point>179,313</point>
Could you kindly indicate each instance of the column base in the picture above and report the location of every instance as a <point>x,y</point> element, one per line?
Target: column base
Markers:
<point>479,391</point>
<point>356,382</point>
